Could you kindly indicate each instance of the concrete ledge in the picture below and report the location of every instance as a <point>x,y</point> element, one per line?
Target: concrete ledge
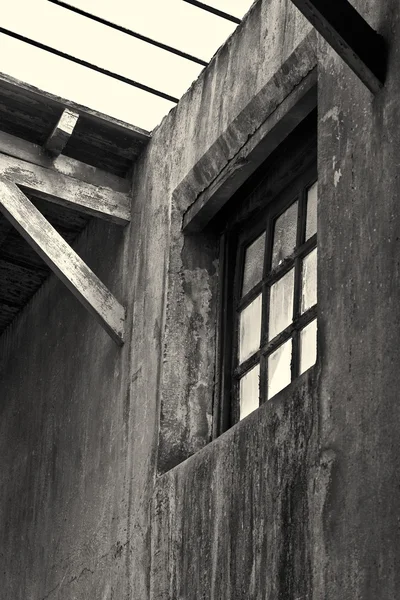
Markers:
<point>241,503</point>
<point>288,97</point>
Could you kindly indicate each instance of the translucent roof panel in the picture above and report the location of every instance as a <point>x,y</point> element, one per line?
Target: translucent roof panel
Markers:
<point>236,8</point>
<point>86,87</point>
<point>172,22</point>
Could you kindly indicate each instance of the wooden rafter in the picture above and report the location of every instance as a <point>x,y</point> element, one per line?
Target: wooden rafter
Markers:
<point>356,42</point>
<point>62,259</point>
<point>36,154</point>
<point>61,133</point>
<point>53,186</point>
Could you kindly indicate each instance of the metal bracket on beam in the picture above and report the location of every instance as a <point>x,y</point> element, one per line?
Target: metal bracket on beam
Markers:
<point>61,133</point>
<point>360,46</point>
<point>62,259</point>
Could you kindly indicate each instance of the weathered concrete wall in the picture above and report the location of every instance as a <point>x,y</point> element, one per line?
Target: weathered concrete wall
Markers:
<point>65,443</point>
<point>210,126</point>
<point>354,476</point>
<point>80,417</point>
<point>298,501</point>
<point>359,277</point>
<point>235,520</point>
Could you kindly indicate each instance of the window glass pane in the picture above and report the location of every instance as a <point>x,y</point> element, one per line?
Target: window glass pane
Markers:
<point>253,264</point>
<point>308,346</point>
<point>249,391</point>
<point>279,371</point>
<point>311,223</point>
<point>281,304</point>
<point>309,281</point>
<point>285,231</point>
<point>250,329</point>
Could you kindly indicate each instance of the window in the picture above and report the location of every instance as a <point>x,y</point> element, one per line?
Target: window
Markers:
<point>275,299</point>
<point>270,303</point>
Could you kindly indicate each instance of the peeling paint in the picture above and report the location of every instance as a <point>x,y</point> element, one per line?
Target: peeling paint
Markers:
<point>333,114</point>
<point>337,176</point>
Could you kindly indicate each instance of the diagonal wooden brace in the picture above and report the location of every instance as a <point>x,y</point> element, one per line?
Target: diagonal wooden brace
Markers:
<point>50,185</point>
<point>62,259</point>
<point>360,46</point>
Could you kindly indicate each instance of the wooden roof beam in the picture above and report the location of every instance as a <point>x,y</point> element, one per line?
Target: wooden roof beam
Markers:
<point>61,133</point>
<point>37,155</point>
<point>62,259</point>
<point>360,46</point>
<point>34,96</point>
<point>53,186</point>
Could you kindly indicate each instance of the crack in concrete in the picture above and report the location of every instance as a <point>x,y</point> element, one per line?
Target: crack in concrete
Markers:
<point>116,549</point>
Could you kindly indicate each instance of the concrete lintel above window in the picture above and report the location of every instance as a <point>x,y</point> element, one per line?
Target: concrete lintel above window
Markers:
<point>257,131</point>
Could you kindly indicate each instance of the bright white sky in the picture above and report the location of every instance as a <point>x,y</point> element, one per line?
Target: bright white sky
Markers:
<point>172,22</point>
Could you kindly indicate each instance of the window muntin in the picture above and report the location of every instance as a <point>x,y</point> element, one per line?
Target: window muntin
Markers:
<point>275,309</point>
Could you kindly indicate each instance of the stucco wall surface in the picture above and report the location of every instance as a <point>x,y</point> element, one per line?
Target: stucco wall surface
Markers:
<point>355,501</point>
<point>359,278</point>
<point>298,501</point>
<point>65,443</point>
<point>266,41</point>
<point>79,416</point>
<point>235,520</point>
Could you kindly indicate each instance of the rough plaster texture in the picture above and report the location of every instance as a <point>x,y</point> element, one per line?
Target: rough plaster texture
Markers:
<point>257,513</point>
<point>240,147</point>
<point>354,479</point>
<point>359,271</point>
<point>235,520</point>
<point>200,123</point>
<point>64,444</point>
<point>79,426</point>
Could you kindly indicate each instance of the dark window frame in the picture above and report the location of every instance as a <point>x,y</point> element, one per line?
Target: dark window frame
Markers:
<point>286,176</point>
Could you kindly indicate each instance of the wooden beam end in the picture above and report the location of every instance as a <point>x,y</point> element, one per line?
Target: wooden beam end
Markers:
<point>61,133</point>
